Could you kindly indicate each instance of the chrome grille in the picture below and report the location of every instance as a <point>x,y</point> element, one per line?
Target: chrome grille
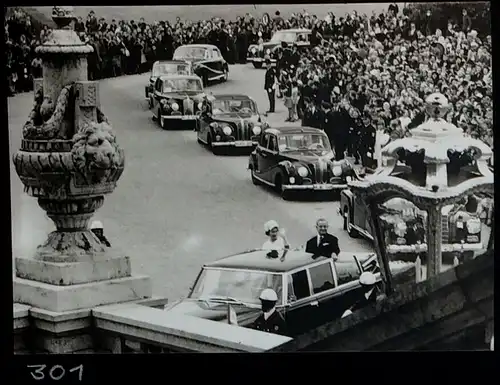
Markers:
<point>320,172</point>
<point>188,106</point>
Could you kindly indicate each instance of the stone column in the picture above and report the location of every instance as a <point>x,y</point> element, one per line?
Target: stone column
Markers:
<point>69,160</point>
<point>434,240</point>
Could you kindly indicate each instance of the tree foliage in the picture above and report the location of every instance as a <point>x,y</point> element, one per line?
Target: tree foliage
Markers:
<point>479,13</point>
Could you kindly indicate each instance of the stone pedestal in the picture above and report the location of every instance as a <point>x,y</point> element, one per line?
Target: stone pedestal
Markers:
<point>69,160</point>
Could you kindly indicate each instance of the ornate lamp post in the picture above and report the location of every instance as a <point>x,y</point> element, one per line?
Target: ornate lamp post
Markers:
<point>69,159</point>
<point>439,176</point>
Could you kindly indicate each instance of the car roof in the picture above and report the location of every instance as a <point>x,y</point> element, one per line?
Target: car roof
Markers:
<point>177,76</point>
<point>198,46</point>
<point>232,96</point>
<point>258,260</point>
<point>295,30</point>
<point>294,130</point>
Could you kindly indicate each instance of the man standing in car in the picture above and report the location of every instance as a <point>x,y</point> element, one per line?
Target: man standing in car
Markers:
<point>270,85</point>
<point>323,244</point>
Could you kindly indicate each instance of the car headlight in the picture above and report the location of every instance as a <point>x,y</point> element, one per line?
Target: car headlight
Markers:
<point>256,130</point>
<point>474,226</point>
<point>268,51</point>
<point>227,130</point>
<point>302,171</point>
<point>337,170</point>
<point>292,180</point>
<point>348,178</point>
<point>163,102</point>
<point>175,106</point>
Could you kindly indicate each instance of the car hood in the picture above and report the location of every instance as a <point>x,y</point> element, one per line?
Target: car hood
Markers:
<point>235,117</point>
<point>212,310</point>
<point>308,156</point>
<point>183,95</point>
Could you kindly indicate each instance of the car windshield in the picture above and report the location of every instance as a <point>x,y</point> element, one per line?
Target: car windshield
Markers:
<point>297,142</point>
<point>170,68</point>
<point>236,285</point>
<point>191,52</point>
<point>221,106</point>
<point>288,37</point>
<point>176,85</point>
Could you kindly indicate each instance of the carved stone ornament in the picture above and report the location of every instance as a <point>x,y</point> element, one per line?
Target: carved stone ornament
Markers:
<point>69,157</point>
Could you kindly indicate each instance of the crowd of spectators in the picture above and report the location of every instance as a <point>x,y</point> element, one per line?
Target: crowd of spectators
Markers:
<point>377,67</point>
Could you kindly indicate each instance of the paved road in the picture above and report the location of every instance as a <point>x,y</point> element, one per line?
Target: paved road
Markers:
<point>176,206</point>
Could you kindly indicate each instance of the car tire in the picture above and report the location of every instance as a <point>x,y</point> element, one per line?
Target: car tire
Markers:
<point>257,65</point>
<point>350,231</point>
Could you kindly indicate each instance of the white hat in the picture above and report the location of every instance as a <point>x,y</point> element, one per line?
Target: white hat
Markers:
<point>367,279</point>
<point>336,90</point>
<point>268,295</point>
<point>269,225</point>
<point>96,225</point>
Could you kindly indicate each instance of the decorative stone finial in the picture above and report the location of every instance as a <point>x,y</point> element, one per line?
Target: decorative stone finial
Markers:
<point>62,16</point>
<point>437,105</point>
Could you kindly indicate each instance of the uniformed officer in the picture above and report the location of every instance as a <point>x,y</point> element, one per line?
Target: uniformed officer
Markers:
<point>325,115</point>
<point>367,143</point>
<point>98,229</point>
<point>270,84</point>
<point>367,281</point>
<point>270,321</point>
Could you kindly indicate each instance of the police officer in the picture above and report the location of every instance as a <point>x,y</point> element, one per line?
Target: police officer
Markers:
<point>97,228</point>
<point>270,85</point>
<point>367,143</point>
<point>270,321</point>
<point>367,281</point>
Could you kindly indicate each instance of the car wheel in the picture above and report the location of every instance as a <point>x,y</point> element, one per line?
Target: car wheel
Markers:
<point>351,231</point>
<point>257,65</point>
<point>226,75</point>
<point>255,181</point>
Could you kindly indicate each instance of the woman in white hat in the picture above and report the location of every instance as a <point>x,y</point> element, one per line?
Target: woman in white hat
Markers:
<point>277,239</point>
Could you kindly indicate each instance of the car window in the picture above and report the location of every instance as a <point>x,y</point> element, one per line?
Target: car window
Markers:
<point>215,54</point>
<point>273,145</point>
<point>347,271</point>
<point>300,38</point>
<point>298,286</point>
<point>264,140</point>
<point>321,278</point>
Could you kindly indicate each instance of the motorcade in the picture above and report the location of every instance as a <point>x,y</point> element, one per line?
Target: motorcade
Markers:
<point>165,67</point>
<point>311,290</point>
<point>206,61</point>
<point>176,101</point>
<point>291,159</point>
<point>230,121</point>
<point>257,53</point>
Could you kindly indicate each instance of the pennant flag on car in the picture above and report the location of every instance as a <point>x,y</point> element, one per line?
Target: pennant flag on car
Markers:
<point>370,264</point>
<point>232,318</point>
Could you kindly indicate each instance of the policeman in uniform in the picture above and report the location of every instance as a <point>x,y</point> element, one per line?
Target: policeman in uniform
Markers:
<point>270,321</point>
<point>98,229</point>
<point>367,143</point>
<point>270,85</point>
<point>368,282</point>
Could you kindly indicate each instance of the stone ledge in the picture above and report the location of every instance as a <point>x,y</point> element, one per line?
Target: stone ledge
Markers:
<point>59,344</point>
<point>64,274</point>
<point>21,316</point>
<point>182,332</point>
<point>67,298</point>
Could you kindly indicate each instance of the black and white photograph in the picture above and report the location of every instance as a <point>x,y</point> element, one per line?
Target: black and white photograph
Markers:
<point>250,178</point>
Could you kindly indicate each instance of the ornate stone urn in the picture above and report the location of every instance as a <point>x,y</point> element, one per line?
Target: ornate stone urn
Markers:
<point>436,166</point>
<point>69,158</point>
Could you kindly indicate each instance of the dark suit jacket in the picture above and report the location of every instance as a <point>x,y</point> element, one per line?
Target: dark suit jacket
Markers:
<point>328,245</point>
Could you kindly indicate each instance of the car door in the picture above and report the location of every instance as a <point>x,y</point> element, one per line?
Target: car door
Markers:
<point>216,63</point>
<point>259,150</point>
<point>359,212</point>
<point>269,156</point>
<point>205,120</point>
<point>156,96</point>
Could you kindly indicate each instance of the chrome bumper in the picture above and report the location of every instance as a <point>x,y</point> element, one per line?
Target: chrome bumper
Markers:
<point>445,248</point>
<point>315,187</point>
<point>236,144</point>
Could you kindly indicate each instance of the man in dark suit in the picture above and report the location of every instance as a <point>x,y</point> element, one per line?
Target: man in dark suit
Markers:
<point>270,84</point>
<point>270,321</point>
<point>323,244</point>
<point>367,296</point>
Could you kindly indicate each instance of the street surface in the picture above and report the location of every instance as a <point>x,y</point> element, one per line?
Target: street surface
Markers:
<point>177,205</point>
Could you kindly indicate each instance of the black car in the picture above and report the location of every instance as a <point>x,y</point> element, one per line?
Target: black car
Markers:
<point>230,121</point>
<point>257,53</point>
<point>165,67</point>
<point>206,60</point>
<point>298,159</point>
<point>311,290</point>
<point>177,101</point>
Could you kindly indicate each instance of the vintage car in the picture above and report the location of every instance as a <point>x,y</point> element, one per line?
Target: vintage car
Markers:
<point>176,101</point>
<point>230,121</point>
<point>311,290</point>
<point>298,159</point>
<point>166,67</point>
<point>206,60</point>
<point>257,53</point>
<point>405,225</point>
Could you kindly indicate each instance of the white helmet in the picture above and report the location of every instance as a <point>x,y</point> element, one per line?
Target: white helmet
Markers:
<point>367,279</point>
<point>268,295</point>
<point>96,225</point>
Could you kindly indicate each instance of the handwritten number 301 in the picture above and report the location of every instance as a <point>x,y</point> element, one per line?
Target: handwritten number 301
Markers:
<point>56,373</point>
